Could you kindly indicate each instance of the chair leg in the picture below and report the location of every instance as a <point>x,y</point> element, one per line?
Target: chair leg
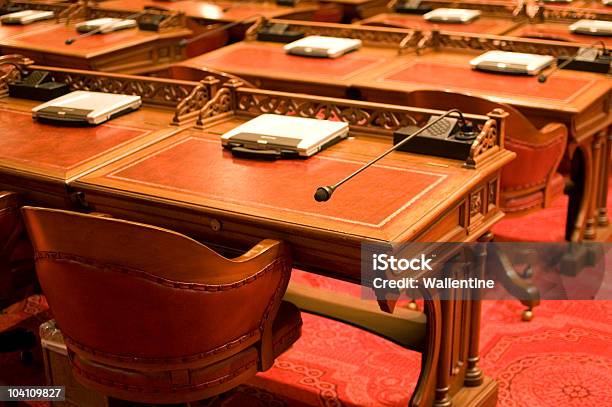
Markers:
<point>516,283</point>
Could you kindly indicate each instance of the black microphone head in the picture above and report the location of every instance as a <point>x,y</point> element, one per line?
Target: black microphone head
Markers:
<point>69,41</point>
<point>542,78</point>
<point>323,194</point>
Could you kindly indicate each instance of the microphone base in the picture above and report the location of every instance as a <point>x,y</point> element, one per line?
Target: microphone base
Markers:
<point>453,146</point>
<point>601,64</point>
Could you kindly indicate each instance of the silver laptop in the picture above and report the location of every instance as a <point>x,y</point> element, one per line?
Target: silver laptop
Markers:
<point>452,15</point>
<point>592,27</point>
<point>285,134</point>
<point>511,62</point>
<point>26,17</point>
<point>105,25</point>
<point>325,47</point>
<point>86,107</point>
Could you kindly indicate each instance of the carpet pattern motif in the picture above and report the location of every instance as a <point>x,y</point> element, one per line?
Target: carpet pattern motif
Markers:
<point>561,358</point>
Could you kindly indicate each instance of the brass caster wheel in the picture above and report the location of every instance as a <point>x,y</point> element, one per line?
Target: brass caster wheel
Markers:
<point>527,315</point>
<point>413,306</point>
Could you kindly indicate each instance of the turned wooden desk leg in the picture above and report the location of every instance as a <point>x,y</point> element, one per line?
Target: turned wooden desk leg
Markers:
<point>596,151</point>
<point>444,364</point>
<point>473,374</point>
<point>602,210</point>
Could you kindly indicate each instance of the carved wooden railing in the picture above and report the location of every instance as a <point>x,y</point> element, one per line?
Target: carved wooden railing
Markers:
<point>481,42</point>
<point>552,13</point>
<point>172,19</point>
<point>11,69</point>
<point>499,9</point>
<point>364,117</point>
<point>375,36</point>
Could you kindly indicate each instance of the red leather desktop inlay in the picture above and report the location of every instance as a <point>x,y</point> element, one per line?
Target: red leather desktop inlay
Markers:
<point>275,60</point>
<point>201,167</point>
<point>56,37</point>
<point>463,77</point>
<point>7,31</point>
<point>50,146</point>
<point>417,22</point>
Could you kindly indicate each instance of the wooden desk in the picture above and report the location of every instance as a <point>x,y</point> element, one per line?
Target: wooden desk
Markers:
<point>124,51</point>
<point>556,31</point>
<point>578,99</point>
<point>266,65</point>
<point>482,25</point>
<point>39,160</point>
<point>187,182</point>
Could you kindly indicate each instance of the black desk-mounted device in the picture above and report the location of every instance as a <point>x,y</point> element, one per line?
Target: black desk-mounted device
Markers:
<point>588,60</point>
<point>38,85</point>
<point>277,32</point>
<point>411,7</point>
<point>290,3</point>
<point>151,22</point>
<point>449,138</point>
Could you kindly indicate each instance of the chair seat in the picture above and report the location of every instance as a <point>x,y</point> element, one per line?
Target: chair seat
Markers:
<point>535,199</point>
<point>164,386</point>
<point>546,225</point>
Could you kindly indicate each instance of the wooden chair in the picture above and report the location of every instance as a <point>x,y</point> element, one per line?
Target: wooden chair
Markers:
<point>16,272</point>
<point>531,181</point>
<point>16,257</point>
<point>528,184</point>
<point>149,315</point>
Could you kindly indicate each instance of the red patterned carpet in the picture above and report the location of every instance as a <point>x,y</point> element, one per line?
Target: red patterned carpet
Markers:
<point>561,358</point>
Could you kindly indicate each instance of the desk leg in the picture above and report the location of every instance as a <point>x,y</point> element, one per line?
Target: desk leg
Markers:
<point>602,210</point>
<point>473,374</point>
<point>595,166</point>
<point>581,176</point>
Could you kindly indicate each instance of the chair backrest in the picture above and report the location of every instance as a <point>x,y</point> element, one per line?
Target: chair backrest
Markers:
<point>538,151</point>
<point>16,259</point>
<point>133,295</point>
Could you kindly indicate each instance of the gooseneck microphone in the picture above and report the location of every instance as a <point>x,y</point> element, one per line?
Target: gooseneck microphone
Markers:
<point>544,77</point>
<point>223,27</point>
<point>101,28</point>
<point>324,193</point>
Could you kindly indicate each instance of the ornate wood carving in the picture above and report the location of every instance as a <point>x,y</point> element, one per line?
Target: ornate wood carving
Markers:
<point>571,13</point>
<point>485,143</point>
<point>379,36</point>
<point>369,117</point>
<point>476,203</point>
<point>492,42</point>
<point>11,68</point>
<point>173,19</point>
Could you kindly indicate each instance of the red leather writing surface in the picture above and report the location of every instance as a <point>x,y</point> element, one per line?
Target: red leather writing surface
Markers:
<point>275,60</point>
<point>7,31</point>
<point>201,167</point>
<point>55,38</point>
<point>417,22</point>
<point>463,77</point>
<point>49,146</point>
